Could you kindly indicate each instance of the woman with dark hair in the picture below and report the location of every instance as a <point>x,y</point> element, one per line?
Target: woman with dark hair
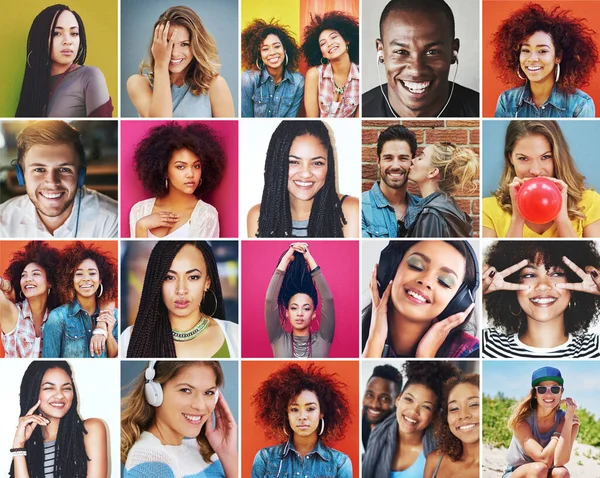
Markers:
<point>540,301</point>
<point>86,325</point>
<point>181,299</point>
<point>422,296</point>
<point>399,446</point>
<point>167,423</point>
<point>51,438</point>
<point>299,197</point>
<point>333,81</point>
<point>305,409</point>
<point>177,165</point>
<point>27,297</point>
<point>56,81</point>
<point>271,84</point>
<point>182,77</point>
<point>457,430</point>
<point>292,302</point>
<point>536,148</point>
<point>554,54</point>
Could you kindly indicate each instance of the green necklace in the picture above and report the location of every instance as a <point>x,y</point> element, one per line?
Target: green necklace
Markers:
<point>201,326</point>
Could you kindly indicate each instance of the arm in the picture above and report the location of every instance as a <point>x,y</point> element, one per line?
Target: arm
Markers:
<point>345,468</point>
<point>565,441</point>
<point>112,341</point>
<point>533,448</point>
<point>259,467</point>
<point>53,334</point>
<point>9,313</point>
<point>221,101</point>
<point>327,327</point>
<point>140,94</point>
<point>587,110</point>
<point>25,428</point>
<point>274,329</point>
<point>252,221</point>
<point>350,210</point>
<point>501,108</point>
<point>96,94</point>
<point>293,111</point>
<point>311,93</point>
<point>96,448</point>
<point>487,232</point>
<point>247,94</point>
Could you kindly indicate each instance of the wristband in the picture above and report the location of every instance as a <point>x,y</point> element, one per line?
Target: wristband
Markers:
<point>100,332</point>
<point>18,452</point>
<point>556,434</point>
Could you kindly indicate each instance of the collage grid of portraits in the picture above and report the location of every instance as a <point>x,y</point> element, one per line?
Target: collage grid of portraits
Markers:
<point>476,191</point>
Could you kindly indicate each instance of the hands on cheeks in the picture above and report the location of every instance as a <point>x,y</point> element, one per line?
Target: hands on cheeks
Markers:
<point>26,426</point>
<point>222,435</point>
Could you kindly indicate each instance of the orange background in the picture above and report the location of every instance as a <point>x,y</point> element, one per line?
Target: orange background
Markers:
<point>255,372</point>
<point>495,11</point>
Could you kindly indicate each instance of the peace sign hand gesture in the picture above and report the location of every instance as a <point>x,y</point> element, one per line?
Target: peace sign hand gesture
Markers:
<point>494,280</point>
<point>590,279</point>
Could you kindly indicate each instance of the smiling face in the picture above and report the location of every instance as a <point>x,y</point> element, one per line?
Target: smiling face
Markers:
<point>415,408</point>
<point>532,157</point>
<point>427,278</point>
<point>538,58</point>
<point>56,393</point>
<point>188,401</point>
<point>34,282</point>
<point>86,279</point>
<point>181,55</point>
<point>463,412</point>
<point>186,282</point>
<point>304,414</point>
<point>332,45</point>
<point>300,312</point>
<point>65,41</point>
<point>307,167</point>
<point>378,401</point>
<point>548,400</point>
<point>421,169</point>
<point>394,162</point>
<point>184,171</point>
<point>272,52</point>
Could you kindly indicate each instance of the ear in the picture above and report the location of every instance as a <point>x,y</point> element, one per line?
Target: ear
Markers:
<point>456,45</point>
<point>314,316</point>
<point>379,49</point>
<point>433,173</point>
<point>208,282</point>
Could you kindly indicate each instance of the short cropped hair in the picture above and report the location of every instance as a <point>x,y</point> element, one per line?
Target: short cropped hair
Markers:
<point>428,6</point>
<point>49,133</point>
<point>397,133</point>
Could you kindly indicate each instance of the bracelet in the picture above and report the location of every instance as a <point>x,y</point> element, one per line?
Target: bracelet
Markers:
<point>100,332</point>
<point>18,452</point>
<point>556,434</point>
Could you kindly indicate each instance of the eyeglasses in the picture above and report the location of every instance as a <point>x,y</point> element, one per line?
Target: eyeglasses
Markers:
<point>555,389</point>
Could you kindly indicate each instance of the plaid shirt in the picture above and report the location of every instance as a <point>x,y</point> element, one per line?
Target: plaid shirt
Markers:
<point>349,101</point>
<point>19,342</point>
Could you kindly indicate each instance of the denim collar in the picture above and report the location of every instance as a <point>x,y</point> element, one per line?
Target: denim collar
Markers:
<point>381,201</point>
<point>265,75</point>
<point>320,449</point>
<point>557,98</point>
<point>74,308</point>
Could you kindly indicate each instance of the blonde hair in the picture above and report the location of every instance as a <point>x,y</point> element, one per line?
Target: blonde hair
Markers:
<point>521,410</point>
<point>564,164</point>
<point>137,415</point>
<point>205,65</point>
<point>458,167</point>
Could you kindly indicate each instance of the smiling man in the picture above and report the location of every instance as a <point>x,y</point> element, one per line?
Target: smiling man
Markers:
<point>417,45</point>
<point>51,164</point>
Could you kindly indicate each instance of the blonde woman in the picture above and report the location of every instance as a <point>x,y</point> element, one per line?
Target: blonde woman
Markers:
<point>182,78</point>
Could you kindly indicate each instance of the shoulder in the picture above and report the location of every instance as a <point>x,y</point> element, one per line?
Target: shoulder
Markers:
<point>102,201</point>
<point>432,461</point>
<point>581,96</point>
<point>253,213</point>
<point>149,458</point>
<point>217,84</point>
<point>490,204</point>
<point>249,78</point>
<point>14,203</point>
<point>589,196</point>
<point>58,315</point>
<point>373,93</point>
<point>96,428</point>
<point>466,92</point>
<point>366,198</point>
<point>312,73</point>
<point>205,209</point>
<point>297,77</point>
<point>227,326</point>
<point>494,334</point>
<point>350,204</point>
<point>143,205</point>
<point>137,81</point>
<point>91,72</point>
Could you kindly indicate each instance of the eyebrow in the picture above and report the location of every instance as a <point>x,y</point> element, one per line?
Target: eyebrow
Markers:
<point>53,384</point>
<point>274,43</point>
<point>89,269</point>
<point>428,45</point>
<point>312,159</point>
<point>187,272</point>
<point>36,165</point>
<point>306,404</point>
<point>428,260</point>
<point>426,401</point>
<point>540,45</point>
<point>74,27</point>
<point>185,162</point>
<point>543,154</point>
<point>32,270</point>
<point>470,398</point>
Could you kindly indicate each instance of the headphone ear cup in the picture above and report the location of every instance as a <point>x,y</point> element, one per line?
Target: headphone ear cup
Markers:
<point>459,303</point>
<point>154,393</point>
<point>20,175</point>
<point>379,56</point>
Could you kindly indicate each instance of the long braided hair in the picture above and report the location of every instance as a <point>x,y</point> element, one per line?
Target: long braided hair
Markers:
<point>70,458</point>
<point>152,334</point>
<point>275,220</point>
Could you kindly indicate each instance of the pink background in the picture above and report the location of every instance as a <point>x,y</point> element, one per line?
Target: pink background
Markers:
<point>224,198</point>
<point>338,261</point>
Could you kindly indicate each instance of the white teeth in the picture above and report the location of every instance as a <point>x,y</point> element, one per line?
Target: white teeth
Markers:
<point>193,418</point>
<point>467,427</point>
<point>57,405</point>
<point>176,61</point>
<point>333,49</point>
<point>543,300</point>
<point>30,287</point>
<point>415,87</point>
<point>303,184</point>
<point>52,195</point>
<point>534,68</point>
<point>416,296</point>
<point>409,420</point>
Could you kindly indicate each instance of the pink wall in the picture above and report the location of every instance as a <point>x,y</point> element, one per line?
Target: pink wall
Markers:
<point>338,261</point>
<point>224,198</point>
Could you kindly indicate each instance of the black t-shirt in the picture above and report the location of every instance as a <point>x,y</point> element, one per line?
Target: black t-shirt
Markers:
<point>464,103</point>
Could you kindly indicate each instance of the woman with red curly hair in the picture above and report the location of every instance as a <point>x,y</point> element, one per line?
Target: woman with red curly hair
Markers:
<point>31,281</point>
<point>306,409</point>
<point>457,430</point>
<point>87,279</point>
<point>554,54</point>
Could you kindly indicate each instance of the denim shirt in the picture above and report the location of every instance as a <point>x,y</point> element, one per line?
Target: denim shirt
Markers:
<point>379,216</point>
<point>517,103</point>
<point>283,461</point>
<point>262,99</point>
<point>68,332</point>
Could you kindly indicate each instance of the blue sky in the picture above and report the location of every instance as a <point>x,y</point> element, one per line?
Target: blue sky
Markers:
<point>513,378</point>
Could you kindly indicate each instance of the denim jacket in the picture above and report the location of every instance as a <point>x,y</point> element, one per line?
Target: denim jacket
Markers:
<point>517,103</point>
<point>283,461</point>
<point>261,99</point>
<point>68,332</point>
<point>378,215</point>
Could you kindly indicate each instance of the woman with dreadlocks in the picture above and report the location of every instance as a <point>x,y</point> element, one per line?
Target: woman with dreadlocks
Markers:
<point>292,302</point>
<point>299,196</point>
<point>51,438</point>
<point>56,81</point>
<point>181,299</point>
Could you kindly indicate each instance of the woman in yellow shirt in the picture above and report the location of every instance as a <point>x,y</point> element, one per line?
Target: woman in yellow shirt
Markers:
<point>532,149</point>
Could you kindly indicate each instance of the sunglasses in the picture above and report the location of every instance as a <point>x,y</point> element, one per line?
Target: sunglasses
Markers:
<point>555,389</point>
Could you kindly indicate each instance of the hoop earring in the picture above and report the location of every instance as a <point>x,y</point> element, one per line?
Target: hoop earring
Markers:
<point>557,72</point>
<point>572,305</point>
<point>519,72</point>
<point>49,290</point>
<point>511,311</point>
<point>286,58</point>
<point>326,61</point>
<point>285,431</point>
<point>28,55</point>
<point>101,290</point>
<point>258,66</point>
<point>167,184</point>
<point>215,297</point>
<point>322,426</point>
<point>200,182</point>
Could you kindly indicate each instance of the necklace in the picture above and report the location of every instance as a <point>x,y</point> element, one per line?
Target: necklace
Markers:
<point>302,348</point>
<point>185,336</point>
<point>339,89</point>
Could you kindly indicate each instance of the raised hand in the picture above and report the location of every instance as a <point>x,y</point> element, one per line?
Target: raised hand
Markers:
<point>494,280</point>
<point>161,46</point>
<point>513,189</point>
<point>437,333</point>
<point>590,279</point>
<point>26,426</point>
<point>222,436</point>
<point>378,330</point>
<point>301,247</point>
<point>571,406</point>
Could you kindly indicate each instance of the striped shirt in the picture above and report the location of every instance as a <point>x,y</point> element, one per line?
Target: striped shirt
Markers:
<point>49,452</point>
<point>498,345</point>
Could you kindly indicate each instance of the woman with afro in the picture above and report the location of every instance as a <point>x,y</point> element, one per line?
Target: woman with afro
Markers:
<point>331,50</point>
<point>271,84</point>
<point>541,297</point>
<point>306,409</point>
<point>177,165</point>
<point>549,54</point>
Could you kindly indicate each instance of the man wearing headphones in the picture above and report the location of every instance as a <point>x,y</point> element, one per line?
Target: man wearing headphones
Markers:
<point>51,165</point>
<point>417,45</point>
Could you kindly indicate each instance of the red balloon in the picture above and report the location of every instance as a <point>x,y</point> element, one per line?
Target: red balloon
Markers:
<point>539,200</point>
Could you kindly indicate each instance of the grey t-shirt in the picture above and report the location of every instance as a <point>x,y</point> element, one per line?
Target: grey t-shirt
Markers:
<point>80,92</point>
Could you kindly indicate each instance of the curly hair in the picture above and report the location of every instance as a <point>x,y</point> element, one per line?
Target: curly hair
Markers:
<point>501,305</point>
<point>73,255</point>
<point>273,397</point>
<point>255,33</point>
<point>344,24</point>
<point>573,41</point>
<point>430,374</point>
<point>448,443</point>
<point>153,154</point>
<point>45,256</point>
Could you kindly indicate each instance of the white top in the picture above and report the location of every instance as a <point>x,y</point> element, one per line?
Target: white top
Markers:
<point>181,232</point>
<point>204,221</point>
<point>230,330</point>
<point>98,217</point>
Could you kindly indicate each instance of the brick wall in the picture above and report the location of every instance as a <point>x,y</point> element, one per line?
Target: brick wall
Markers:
<point>459,132</point>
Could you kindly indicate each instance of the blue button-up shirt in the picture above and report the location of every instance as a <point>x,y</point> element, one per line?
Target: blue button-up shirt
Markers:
<point>68,332</point>
<point>262,99</point>
<point>518,103</point>
<point>379,216</point>
<point>283,461</point>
